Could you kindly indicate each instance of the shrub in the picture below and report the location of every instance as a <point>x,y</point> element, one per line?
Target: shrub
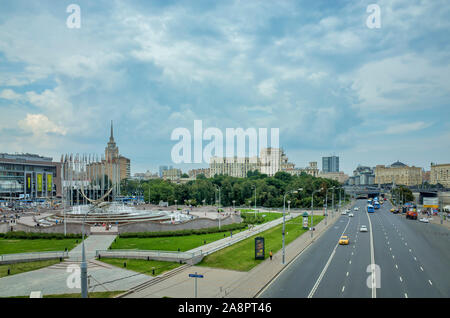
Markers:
<point>34,236</point>
<point>224,228</point>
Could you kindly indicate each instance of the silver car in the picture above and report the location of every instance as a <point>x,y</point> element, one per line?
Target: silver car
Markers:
<point>363,228</point>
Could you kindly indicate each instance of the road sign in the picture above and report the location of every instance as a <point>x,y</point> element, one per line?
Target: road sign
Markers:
<point>195,276</point>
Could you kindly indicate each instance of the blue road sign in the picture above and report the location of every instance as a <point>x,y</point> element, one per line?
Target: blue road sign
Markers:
<point>196,275</point>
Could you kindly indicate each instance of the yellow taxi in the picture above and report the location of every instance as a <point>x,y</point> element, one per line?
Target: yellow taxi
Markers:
<point>344,240</point>
<point>392,210</point>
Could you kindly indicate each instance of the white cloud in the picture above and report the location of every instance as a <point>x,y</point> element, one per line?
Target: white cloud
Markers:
<point>400,83</point>
<point>40,125</point>
<point>10,94</point>
<point>267,88</point>
<point>404,128</point>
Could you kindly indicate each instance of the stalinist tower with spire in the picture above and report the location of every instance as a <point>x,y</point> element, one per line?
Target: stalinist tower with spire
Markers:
<point>111,151</point>
<point>112,155</point>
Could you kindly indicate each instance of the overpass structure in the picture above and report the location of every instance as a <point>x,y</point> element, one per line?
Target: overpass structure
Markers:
<point>364,192</point>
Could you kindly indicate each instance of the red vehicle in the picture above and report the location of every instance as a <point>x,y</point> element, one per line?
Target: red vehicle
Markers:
<point>411,213</point>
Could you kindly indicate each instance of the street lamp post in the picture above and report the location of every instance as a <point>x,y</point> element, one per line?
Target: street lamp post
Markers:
<point>83,265</point>
<point>234,206</point>
<point>218,207</point>
<point>284,221</point>
<point>176,205</point>
<point>312,210</point>
<point>254,187</point>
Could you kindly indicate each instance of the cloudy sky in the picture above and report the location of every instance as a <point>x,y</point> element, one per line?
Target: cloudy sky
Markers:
<point>311,68</point>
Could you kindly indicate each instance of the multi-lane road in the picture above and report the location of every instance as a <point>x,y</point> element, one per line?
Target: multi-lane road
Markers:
<point>412,260</point>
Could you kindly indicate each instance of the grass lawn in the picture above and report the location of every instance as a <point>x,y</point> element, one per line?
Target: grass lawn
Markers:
<point>103,294</point>
<point>241,256</point>
<point>142,265</point>
<point>170,243</point>
<point>269,216</point>
<point>11,246</point>
<point>18,268</point>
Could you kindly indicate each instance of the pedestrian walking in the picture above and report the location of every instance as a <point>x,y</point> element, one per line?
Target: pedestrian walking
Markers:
<point>270,254</point>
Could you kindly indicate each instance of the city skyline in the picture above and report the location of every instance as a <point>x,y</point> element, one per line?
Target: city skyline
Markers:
<point>315,71</point>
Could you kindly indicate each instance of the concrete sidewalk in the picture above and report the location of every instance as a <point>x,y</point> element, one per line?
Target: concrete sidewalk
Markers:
<point>91,245</point>
<point>218,283</point>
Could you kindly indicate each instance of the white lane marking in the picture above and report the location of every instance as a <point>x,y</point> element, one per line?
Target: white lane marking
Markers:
<point>410,250</point>
<point>401,279</point>
<point>343,287</point>
<point>406,295</point>
<point>390,248</point>
<point>313,290</point>
<point>421,268</point>
<point>372,258</point>
<point>396,266</point>
<point>415,258</point>
<point>350,262</point>
<point>393,256</point>
<point>347,274</point>
<point>430,282</point>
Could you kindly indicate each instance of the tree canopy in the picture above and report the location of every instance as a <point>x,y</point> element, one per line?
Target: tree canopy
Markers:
<point>269,190</point>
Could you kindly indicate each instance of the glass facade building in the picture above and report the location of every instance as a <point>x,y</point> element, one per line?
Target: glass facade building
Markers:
<point>29,176</point>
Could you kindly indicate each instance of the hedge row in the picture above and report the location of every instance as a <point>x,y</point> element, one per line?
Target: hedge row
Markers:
<point>34,236</point>
<point>224,228</point>
<point>252,219</point>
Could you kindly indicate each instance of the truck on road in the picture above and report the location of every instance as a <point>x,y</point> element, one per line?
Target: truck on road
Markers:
<point>411,212</point>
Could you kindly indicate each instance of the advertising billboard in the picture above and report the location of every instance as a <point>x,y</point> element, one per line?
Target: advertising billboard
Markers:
<point>431,202</point>
<point>49,183</point>
<point>39,182</point>
<point>259,248</point>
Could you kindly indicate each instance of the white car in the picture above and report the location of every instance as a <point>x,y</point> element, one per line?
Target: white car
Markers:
<point>356,209</point>
<point>363,228</point>
<point>350,214</point>
<point>344,213</point>
<point>424,220</point>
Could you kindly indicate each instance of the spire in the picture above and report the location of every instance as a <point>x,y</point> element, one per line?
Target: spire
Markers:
<point>111,138</point>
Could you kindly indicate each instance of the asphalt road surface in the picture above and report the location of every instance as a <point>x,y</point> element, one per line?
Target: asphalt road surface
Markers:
<point>412,260</point>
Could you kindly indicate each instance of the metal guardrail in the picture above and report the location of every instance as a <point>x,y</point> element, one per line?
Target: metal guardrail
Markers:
<point>146,253</point>
<point>33,256</point>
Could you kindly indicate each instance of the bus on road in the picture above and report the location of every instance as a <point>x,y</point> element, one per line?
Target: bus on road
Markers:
<point>370,208</point>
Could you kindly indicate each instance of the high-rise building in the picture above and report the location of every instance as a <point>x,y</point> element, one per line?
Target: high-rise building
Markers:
<point>270,161</point>
<point>440,174</point>
<point>162,169</point>
<point>398,173</point>
<point>172,174</point>
<point>112,158</point>
<point>330,164</point>
<point>362,175</point>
